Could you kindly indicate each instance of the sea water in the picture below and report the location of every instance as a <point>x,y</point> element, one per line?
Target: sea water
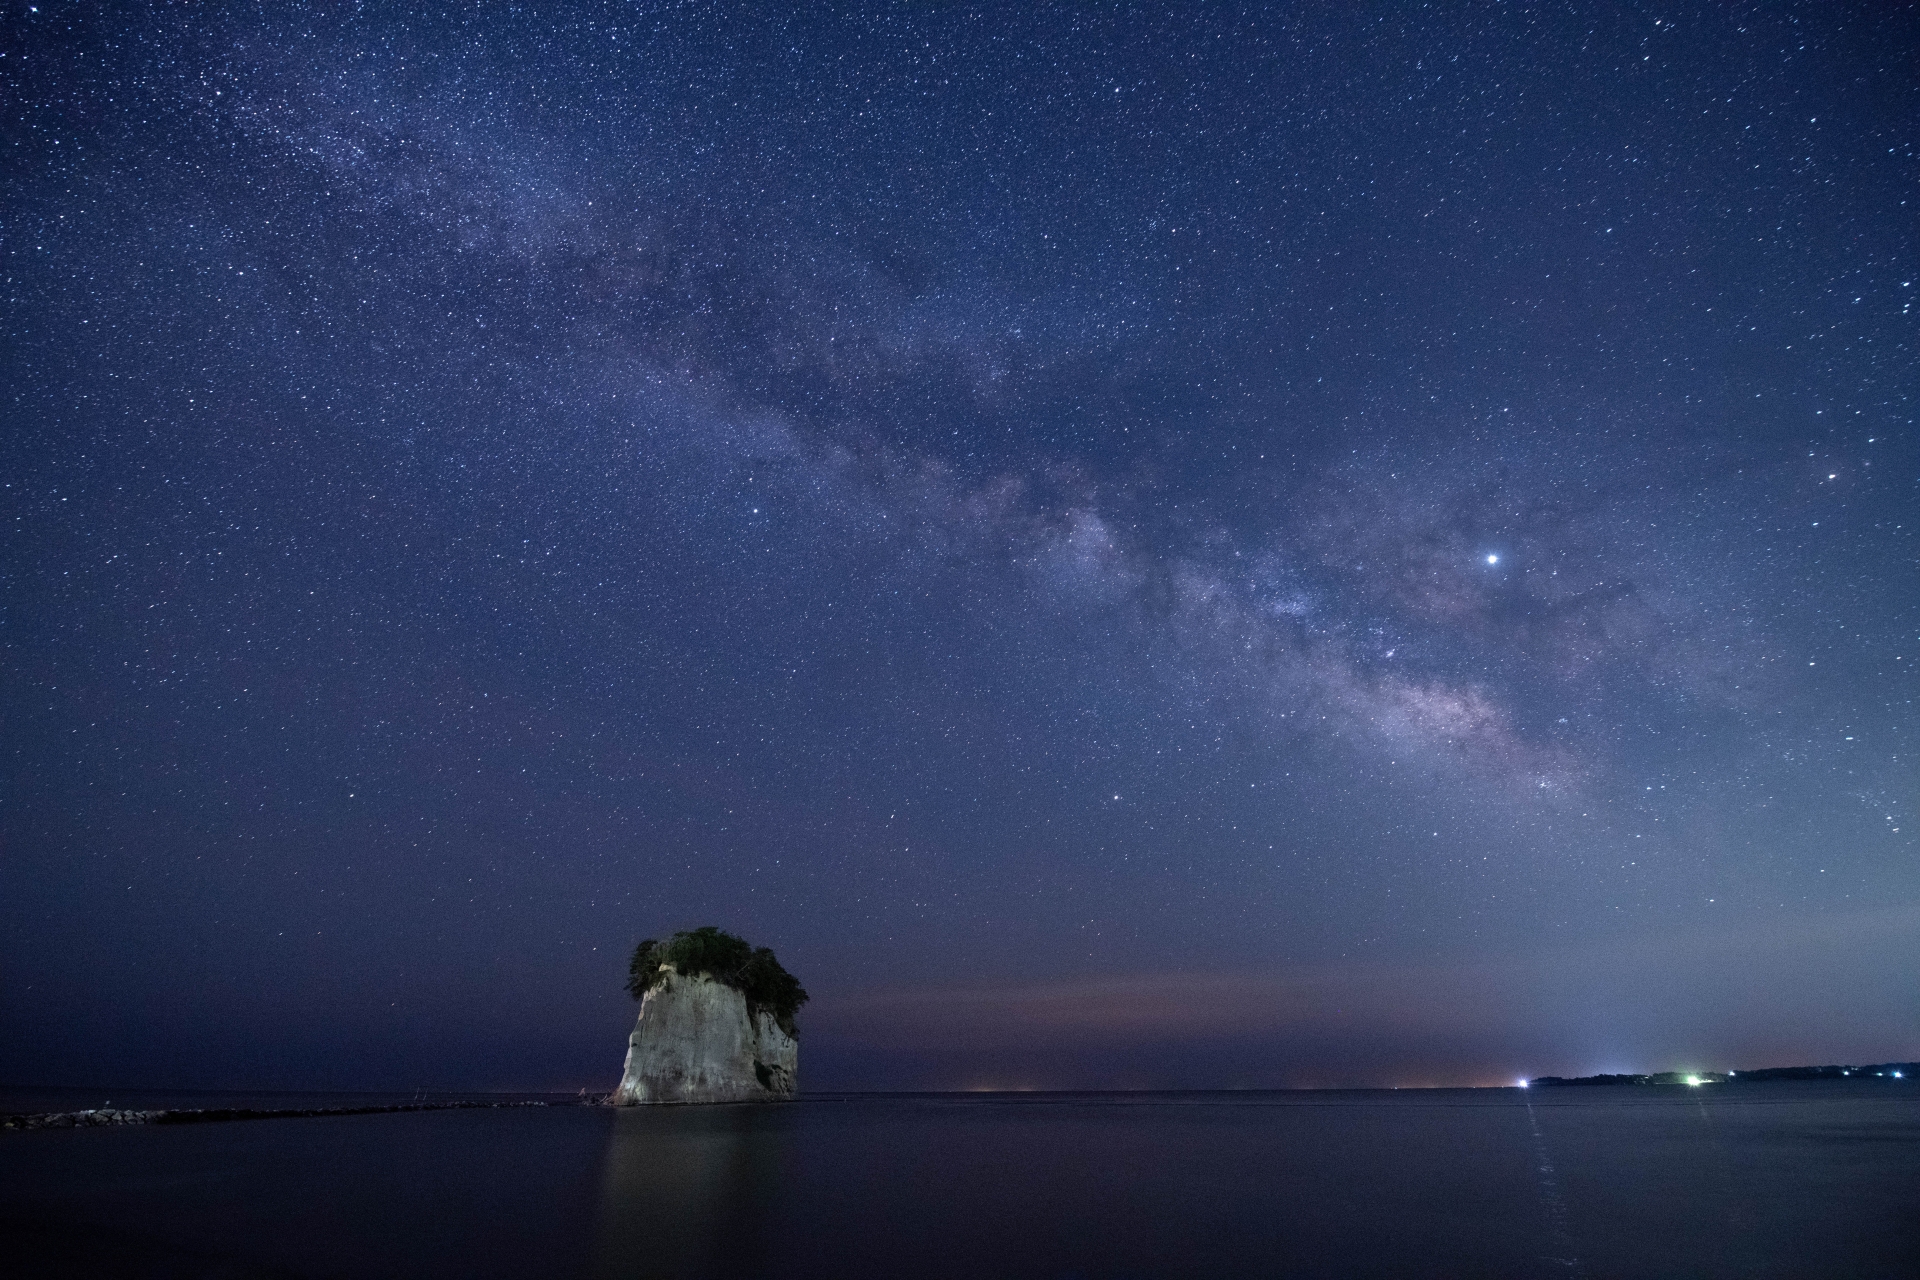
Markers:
<point>1791,1180</point>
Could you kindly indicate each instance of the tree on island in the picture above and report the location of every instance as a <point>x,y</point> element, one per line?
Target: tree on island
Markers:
<point>727,959</point>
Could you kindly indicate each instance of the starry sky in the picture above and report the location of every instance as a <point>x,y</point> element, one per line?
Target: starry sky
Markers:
<point>1136,547</point>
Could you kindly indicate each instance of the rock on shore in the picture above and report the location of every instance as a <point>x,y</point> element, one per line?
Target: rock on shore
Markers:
<point>696,1041</point>
<point>96,1117</point>
<point>91,1118</point>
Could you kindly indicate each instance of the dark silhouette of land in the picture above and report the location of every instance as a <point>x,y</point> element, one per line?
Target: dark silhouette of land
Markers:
<point>1883,1071</point>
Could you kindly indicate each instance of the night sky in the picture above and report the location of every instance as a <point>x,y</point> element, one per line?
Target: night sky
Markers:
<point>1335,544</point>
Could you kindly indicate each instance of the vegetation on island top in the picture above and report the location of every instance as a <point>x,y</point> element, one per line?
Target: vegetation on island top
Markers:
<point>750,970</point>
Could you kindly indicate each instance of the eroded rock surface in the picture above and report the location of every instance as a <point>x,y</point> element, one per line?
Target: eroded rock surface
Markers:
<point>696,1042</point>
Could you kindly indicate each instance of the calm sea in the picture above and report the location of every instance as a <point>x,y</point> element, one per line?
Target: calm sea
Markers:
<point>1790,1180</point>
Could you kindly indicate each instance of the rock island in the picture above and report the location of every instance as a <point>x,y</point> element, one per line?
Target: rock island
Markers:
<point>716,1022</point>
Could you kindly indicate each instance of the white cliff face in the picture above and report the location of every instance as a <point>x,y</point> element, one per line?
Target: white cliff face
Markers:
<point>695,1042</point>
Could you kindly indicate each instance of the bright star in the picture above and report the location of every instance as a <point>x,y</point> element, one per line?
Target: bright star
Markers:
<point>1493,559</point>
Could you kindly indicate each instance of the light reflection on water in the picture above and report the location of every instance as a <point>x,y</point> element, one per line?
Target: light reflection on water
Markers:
<point>686,1191</point>
<point>1790,1181</point>
<point>1793,1181</point>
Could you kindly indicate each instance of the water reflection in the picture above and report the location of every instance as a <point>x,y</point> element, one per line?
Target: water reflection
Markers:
<point>690,1191</point>
<point>1623,1181</point>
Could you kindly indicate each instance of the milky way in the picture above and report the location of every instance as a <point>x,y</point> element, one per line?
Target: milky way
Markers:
<point>1307,538</point>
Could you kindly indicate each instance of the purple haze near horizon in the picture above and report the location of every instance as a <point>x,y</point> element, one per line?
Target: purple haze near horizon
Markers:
<point>1324,545</point>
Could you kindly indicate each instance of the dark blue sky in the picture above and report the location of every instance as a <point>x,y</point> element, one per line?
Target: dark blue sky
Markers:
<point>1328,544</point>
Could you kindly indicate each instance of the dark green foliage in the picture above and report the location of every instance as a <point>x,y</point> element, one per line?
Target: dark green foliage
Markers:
<point>750,970</point>
<point>643,971</point>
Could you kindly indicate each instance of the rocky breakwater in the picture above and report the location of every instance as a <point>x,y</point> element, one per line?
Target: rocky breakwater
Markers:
<point>716,1023</point>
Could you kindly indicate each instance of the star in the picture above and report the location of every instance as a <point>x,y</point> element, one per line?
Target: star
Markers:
<point>1143,507</point>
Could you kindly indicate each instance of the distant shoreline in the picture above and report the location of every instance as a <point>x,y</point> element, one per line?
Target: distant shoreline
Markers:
<point>1880,1070</point>
<point>108,1116</point>
<point>103,1117</point>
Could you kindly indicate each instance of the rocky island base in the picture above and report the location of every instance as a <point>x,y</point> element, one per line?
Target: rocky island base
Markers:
<point>716,1023</point>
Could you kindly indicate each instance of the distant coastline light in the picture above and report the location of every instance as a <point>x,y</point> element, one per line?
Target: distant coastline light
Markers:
<point>1693,1079</point>
<point>1523,1082</point>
